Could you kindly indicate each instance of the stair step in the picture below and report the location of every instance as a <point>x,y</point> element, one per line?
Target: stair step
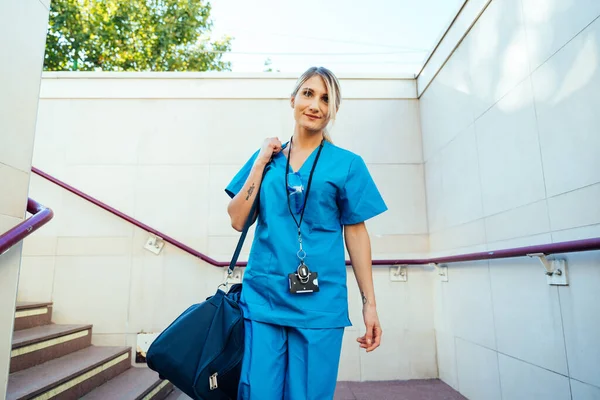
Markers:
<point>26,305</point>
<point>32,314</point>
<point>133,384</point>
<point>178,395</point>
<point>70,376</point>
<point>38,345</point>
<point>38,334</point>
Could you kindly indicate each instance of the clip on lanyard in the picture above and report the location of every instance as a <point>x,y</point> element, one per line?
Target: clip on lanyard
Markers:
<point>301,253</point>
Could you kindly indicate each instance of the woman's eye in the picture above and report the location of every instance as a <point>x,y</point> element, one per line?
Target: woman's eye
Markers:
<point>326,99</point>
<point>307,93</point>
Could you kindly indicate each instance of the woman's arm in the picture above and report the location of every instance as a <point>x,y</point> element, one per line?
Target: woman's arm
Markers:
<point>239,206</point>
<point>359,248</point>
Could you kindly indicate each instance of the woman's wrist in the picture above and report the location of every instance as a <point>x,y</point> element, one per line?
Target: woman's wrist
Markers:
<point>368,301</point>
<point>260,163</point>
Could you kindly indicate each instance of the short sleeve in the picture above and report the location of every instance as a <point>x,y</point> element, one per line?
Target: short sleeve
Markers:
<point>238,181</point>
<point>360,199</point>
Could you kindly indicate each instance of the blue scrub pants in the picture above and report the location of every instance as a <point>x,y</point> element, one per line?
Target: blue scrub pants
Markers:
<point>289,363</point>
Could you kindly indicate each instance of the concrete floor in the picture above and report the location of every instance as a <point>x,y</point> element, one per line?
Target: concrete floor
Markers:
<point>430,389</point>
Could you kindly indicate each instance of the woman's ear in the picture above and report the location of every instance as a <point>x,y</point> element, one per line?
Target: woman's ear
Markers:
<point>292,102</point>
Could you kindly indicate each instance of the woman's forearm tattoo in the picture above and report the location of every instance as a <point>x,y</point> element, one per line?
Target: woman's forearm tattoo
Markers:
<point>364,298</point>
<point>250,191</point>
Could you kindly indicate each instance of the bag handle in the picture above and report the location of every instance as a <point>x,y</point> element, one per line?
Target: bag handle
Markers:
<point>249,221</point>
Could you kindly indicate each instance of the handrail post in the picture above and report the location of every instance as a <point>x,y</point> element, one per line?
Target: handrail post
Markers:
<point>556,269</point>
<point>399,273</point>
<point>442,271</point>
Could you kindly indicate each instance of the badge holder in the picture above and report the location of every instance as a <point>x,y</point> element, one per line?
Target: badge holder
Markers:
<point>303,280</point>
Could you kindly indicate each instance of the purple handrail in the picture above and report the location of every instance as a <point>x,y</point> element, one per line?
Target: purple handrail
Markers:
<point>553,248</point>
<point>41,215</point>
<point>129,219</point>
<point>547,249</point>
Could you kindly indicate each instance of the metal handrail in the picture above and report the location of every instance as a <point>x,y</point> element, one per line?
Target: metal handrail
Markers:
<point>41,216</point>
<point>552,248</point>
<point>547,249</point>
<point>129,219</point>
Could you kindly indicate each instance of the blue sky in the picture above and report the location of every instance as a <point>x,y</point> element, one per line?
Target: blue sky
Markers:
<point>346,36</point>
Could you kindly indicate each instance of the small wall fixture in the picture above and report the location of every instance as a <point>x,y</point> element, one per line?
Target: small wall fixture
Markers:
<point>144,340</point>
<point>398,273</point>
<point>442,271</point>
<point>236,276</point>
<point>556,269</point>
<point>154,244</point>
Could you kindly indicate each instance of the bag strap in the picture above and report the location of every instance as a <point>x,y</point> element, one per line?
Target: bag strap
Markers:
<point>249,221</point>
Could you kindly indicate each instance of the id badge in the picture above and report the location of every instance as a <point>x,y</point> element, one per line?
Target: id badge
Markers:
<point>310,283</point>
<point>298,287</point>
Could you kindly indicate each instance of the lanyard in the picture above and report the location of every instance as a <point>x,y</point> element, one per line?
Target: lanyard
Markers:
<point>301,252</point>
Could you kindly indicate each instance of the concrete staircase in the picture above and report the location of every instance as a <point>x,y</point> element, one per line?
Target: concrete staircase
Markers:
<point>51,361</point>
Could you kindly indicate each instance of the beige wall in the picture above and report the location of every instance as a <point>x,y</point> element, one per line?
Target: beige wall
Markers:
<point>161,148</point>
<point>22,38</point>
<point>511,150</point>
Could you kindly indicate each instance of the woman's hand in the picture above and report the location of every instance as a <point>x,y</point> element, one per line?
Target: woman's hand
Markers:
<point>371,340</point>
<point>269,147</point>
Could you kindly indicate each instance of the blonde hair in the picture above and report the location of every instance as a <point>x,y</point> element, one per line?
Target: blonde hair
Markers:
<point>334,91</point>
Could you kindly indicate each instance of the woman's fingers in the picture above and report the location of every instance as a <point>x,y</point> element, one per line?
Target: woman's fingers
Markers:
<point>374,335</point>
<point>275,145</point>
<point>376,339</point>
<point>270,146</point>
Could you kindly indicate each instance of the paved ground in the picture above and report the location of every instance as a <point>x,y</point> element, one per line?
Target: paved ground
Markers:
<point>431,389</point>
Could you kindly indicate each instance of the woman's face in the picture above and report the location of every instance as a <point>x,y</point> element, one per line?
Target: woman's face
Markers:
<point>311,105</point>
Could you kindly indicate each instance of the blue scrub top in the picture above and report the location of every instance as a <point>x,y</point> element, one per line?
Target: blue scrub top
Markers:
<point>342,193</point>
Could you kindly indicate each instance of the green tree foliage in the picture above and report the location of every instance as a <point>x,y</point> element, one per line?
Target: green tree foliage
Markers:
<point>133,35</point>
<point>268,66</point>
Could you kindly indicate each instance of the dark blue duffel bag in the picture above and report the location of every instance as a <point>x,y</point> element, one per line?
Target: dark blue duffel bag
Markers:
<point>201,351</point>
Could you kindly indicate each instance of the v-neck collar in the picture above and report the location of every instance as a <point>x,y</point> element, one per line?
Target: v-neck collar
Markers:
<point>310,156</point>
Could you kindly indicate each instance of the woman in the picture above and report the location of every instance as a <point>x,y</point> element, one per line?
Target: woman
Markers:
<point>294,297</point>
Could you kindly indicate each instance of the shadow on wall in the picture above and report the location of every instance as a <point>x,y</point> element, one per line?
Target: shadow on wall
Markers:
<point>523,39</point>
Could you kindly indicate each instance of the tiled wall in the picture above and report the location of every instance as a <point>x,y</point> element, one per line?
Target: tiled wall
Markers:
<point>22,38</point>
<point>512,157</point>
<point>162,148</point>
